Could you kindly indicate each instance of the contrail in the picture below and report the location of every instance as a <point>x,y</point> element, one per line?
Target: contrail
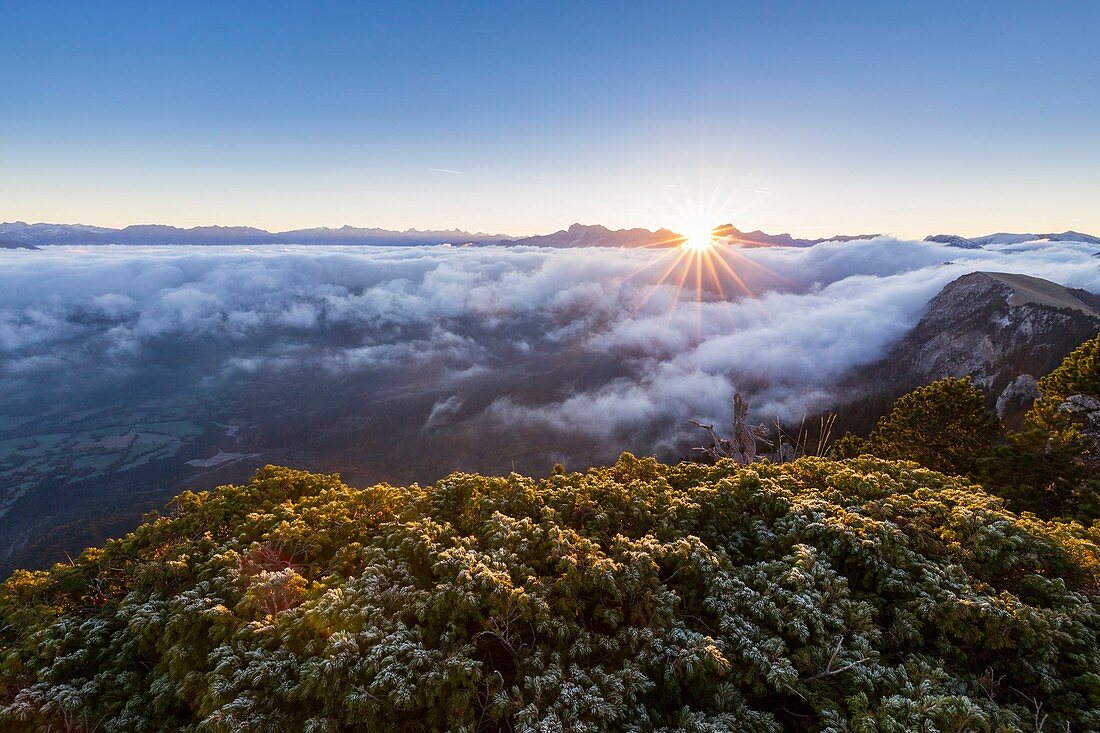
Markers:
<point>446,170</point>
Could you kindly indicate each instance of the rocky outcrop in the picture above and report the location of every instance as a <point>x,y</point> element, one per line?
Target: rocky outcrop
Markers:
<point>1016,398</point>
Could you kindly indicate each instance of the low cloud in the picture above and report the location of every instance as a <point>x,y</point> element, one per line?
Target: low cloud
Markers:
<point>443,411</point>
<point>585,342</point>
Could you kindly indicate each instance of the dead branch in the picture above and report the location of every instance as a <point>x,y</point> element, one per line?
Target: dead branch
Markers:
<point>742,446</point>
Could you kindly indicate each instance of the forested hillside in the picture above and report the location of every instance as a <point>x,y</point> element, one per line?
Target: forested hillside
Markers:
<point>862,595</point>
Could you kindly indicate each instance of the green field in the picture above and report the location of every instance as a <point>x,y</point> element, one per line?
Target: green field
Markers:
<point>70,457</point>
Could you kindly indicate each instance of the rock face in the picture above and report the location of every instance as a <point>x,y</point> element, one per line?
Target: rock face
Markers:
<point>1017,397</point>
<point>995,328</point>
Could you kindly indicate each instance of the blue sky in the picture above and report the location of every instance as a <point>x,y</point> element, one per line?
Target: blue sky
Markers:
<point>813,118</point>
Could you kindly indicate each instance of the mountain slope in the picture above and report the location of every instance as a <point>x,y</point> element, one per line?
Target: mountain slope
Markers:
<point>993,327</point>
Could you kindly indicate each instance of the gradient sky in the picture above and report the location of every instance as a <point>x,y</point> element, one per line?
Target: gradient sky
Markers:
<point>814,118</point>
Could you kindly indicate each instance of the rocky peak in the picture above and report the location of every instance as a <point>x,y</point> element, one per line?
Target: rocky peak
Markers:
<point>995,328</point>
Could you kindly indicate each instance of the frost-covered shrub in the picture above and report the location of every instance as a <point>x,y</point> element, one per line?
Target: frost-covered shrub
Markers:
<point>861,595</point>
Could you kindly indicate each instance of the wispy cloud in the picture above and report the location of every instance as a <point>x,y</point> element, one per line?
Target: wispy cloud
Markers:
<point>447,170</point>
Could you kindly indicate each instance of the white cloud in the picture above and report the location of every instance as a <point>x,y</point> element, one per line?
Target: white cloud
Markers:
<point>654,358</point>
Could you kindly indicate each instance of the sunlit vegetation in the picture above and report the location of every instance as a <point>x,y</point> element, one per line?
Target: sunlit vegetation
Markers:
<point>1051,466</point>
<point>944,426</point>
<point>862,595</point>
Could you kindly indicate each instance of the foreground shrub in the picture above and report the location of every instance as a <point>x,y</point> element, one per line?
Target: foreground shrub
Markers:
<point>858,595</point>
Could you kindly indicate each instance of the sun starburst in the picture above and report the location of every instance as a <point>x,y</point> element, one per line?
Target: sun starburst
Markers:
<point>702,264</point>
<point>698,234</point>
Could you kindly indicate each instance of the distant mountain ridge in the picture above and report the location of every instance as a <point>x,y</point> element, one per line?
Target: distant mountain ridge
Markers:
<point>15,244</point>
<point>954,240</point>
<point>577,235</point>
<point>596,235</point>
<point>45,234</point>
<point>758,238</point>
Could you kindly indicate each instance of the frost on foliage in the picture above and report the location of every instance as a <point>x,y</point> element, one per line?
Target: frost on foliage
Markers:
<point>861,595</point>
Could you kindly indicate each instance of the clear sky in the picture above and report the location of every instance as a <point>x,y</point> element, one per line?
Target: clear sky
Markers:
<point>522,117</point>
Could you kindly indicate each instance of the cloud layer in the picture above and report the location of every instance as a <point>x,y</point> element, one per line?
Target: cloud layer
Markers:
<point>588,342</point>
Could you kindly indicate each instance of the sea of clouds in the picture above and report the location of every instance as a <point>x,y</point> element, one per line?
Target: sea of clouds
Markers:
<point>786,329</point>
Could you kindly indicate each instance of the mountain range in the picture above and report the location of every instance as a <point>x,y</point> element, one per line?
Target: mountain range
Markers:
<point>758,238</point>
<point>160,234</point>
<point>577,235</point>
<point>954,240</point>
<point>596,235</point>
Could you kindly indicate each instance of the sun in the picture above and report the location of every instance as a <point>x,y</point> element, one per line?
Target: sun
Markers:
<point>698,235</point>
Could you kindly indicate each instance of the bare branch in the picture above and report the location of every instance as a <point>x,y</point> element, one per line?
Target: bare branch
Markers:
<point>829,671</point>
